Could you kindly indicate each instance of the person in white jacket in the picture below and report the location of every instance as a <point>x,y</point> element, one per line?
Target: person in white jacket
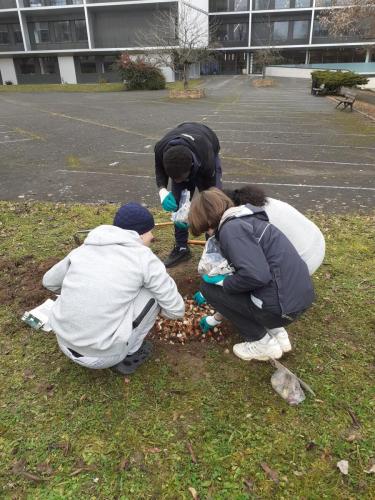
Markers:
<point>304,235</point>
<point>111,290</point>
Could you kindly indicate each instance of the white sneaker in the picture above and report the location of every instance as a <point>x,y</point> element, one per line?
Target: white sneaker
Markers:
<point>281,335</point>
<point>262,350</point>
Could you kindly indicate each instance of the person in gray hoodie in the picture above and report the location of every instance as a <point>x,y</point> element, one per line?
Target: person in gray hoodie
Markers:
<point>111,290</point>
<point>270,286</point>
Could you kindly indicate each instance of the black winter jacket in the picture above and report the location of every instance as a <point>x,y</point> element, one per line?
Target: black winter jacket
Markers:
<point>203,143</point>
<point>266,264</point>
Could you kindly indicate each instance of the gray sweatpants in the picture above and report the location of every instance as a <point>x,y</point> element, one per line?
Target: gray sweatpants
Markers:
<point>141,304</point>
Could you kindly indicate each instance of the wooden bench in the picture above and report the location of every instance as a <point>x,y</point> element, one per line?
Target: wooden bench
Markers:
<point>347,98</point>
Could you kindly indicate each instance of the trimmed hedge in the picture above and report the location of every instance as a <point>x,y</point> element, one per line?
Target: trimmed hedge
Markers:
<point>333,80</point>
<point>140,75</point>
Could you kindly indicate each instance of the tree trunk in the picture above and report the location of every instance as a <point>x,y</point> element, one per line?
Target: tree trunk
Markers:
<point>185,74</point>
<point>264,71</point>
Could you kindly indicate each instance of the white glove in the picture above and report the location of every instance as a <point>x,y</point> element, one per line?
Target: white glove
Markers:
<point>163,193</point>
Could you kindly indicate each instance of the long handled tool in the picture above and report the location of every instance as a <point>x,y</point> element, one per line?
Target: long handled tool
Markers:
<point>157,226</point>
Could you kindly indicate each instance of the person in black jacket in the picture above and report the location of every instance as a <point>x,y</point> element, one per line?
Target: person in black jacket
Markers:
<point>189,155</point>
<point>270,286</point>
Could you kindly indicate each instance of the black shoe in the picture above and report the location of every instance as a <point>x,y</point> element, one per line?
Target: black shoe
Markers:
<point>178,254</point>
<point>129,364</point>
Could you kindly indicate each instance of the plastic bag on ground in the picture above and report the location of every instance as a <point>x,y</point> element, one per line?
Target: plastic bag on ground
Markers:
<point>212,262</point>
<point>287,386</point>
<point>181,215</point>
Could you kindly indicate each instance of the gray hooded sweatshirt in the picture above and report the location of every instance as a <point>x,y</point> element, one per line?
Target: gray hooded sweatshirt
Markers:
<point>98,283</point>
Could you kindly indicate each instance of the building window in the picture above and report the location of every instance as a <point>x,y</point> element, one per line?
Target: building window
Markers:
<point>62,31</point>
<point>301,4</point>
<point>29,66</point>
<point>47,65</point>
<point>262,5</point>
<point>81,31</point>
<point>300,30</point>
<point>87,64</point>
<point>282,4</point>
<point>41,33</point>
<point>17,33</point>
<point>280,31</point>
<point>109,64</point>
<point>4,34</point>
<point>232,31</point>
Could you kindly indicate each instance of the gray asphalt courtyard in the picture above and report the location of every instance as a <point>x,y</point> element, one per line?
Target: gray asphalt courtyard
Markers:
<point>98,147</point>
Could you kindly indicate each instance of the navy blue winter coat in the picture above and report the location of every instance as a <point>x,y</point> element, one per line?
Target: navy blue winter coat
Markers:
<point>266,264</point>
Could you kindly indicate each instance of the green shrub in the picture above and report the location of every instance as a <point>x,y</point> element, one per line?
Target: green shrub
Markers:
<point>333,80</point>
<point>139,74</point>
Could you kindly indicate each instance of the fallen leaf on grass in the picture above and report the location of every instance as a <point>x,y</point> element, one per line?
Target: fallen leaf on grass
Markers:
<point>193,493</point>
<point>310,446</point>
<point>124,464</point>
<point>354,418</point>
<point>343,466</point>
<point>87,468</point>
<point>249,485</point>
<point>191,451</point>
<point>371,469</point>
<point>28,375</point>
<point>153,450</point>
<point>272,474</point>
<point>354,435</point>
<point>32,477</point>
<point>18,468</point>
<point>44,468</point>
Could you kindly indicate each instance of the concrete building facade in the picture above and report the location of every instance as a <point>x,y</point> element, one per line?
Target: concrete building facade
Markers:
<point>77,41</point>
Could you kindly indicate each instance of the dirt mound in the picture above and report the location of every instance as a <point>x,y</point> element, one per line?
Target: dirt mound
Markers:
<point>21,287</point>
<point>21,282</point>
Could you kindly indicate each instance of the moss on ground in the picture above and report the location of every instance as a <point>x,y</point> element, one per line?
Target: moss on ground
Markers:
<point>67,432</point>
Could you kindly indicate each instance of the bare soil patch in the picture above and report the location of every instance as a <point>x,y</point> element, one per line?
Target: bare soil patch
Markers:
<point>21,287</point>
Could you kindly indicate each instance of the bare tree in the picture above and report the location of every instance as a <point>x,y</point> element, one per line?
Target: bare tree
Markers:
<point>270,54</point>
<point>356,18</point>
<point>267,57</point>
<point>178,38</point>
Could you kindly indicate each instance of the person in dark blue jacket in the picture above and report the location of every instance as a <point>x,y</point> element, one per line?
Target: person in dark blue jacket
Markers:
<point>270,286</point>
<point>189,155</point>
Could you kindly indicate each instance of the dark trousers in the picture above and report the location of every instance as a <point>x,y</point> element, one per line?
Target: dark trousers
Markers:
<point>238,308</point>
<point>181,235</point>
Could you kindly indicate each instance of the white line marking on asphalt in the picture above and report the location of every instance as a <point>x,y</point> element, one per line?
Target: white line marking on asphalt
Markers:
<point>300,161</point>
<point>114,174</point>
<point>15,140</point>
<point>296,144</point>
<point>270,159</point>
<point>7,132</point>
<point>298,124</point>
<point>295,133</point>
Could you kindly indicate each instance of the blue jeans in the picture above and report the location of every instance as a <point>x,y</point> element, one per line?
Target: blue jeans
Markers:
<point>181,235</point>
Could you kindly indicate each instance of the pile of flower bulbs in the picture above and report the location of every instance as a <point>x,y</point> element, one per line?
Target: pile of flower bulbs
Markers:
<point>187,329</point>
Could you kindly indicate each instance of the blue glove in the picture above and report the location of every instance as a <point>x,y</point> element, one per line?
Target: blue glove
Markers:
<point>182,225</point>
<point>169,203</point>
<point>204,326</point>
<point>218,279</point>
<point>199,299</point>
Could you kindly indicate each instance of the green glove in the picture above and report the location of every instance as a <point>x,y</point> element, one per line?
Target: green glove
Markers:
<point>168,201</point>
<point>181,225</point>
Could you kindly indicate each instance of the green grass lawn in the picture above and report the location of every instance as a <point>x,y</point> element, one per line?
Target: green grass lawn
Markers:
<point>83,87</point>
<point>68,432</point>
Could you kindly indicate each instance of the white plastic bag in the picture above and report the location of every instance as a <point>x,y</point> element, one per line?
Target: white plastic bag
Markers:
<point>287,385</point>
<point>212,262</point>
<point>183,208</point>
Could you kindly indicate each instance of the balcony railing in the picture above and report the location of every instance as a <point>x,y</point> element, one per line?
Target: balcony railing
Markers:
<point>50,3</point>
<point>281,4</point>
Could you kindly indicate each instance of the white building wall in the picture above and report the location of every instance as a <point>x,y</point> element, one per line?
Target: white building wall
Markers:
<point>8,71</point>
<point>67,69</point>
